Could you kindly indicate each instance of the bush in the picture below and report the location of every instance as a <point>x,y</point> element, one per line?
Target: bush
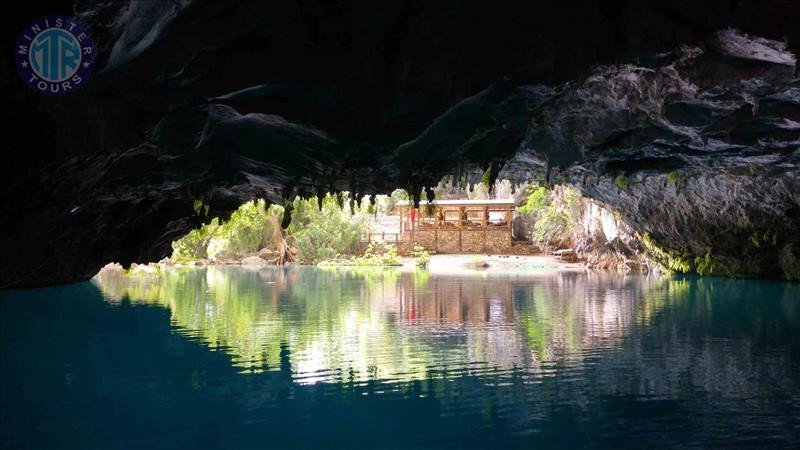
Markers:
<point>421,256</point>
<point>621,181</point>
<point>378,255</point>
<point>556,214</point>
<point>672,178</point>
<point>328,233</point>
<point>536,201</point>
<point>194,246</point>
<point>375,255</point>
<point>245,232</point>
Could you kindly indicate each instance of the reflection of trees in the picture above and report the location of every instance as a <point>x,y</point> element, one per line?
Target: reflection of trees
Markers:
<point>395,325</point>
<point>506,348</point>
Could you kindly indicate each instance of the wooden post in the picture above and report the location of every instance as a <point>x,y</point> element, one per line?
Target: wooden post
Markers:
<point>508,218</point>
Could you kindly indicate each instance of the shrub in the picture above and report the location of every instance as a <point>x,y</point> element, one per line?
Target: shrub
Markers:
<point>672,178</point>
<point>375,255</point>
<point>621,181</point>
<point>378,255</point>
<point>330,233</point>
<point>421,256</point>
<point>245,232</point>
<point>536,201</point>
<point>194,246</point>
<point>556,213</point>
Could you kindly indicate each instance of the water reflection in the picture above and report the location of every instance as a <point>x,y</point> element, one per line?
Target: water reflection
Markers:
<point>302,358</point>
<point>398,326</point>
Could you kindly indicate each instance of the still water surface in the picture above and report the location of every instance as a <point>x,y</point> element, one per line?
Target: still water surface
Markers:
<point>330,358</point>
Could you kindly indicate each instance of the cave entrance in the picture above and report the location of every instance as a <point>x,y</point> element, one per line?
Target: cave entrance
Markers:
<point>507,219</point>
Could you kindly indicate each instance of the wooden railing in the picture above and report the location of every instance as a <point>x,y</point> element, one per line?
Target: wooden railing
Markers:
<point>380,237</point>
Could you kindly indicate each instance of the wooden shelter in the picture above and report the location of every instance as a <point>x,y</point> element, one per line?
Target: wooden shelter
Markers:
<point>458,226</point>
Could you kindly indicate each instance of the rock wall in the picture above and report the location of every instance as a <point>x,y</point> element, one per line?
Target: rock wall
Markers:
<point>699,153</point>
<point>459,241</point>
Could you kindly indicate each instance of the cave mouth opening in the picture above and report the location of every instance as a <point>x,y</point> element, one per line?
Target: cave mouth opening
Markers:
<point>504,218</point>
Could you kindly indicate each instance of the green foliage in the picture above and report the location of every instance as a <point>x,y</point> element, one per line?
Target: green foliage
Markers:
<point>374,255</point>
<point>200,207</point>
<point>194,245</point>
<point>421,256</point>
<point>245,232</point>
<point>318,233</point>
<point>557,220</point>
<point>704,265</point>
<point>672,178</point>
<point>385,203</point>
<point>621,181</point>
<point>304,211</point>
<point>536,201</point>
<point>668,261</point>
<point>329,233</point>
<point>486,176</point>
<point>378,255</point>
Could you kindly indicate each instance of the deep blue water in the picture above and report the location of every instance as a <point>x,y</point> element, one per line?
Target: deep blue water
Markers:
<point>312,358</point>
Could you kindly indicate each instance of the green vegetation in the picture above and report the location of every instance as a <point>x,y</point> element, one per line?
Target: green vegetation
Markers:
<point>374,255</point>
<point>327,233</point>
<point>245,232</point>
<point>621,181</point>
<point>486,177</point>
<point>536,200</point>
<point>672,178</point>
<point>704,265</point>
<point>421,256</point>
<point>555,212</point>
<point>194,246</point>
<point>669,262</point>
<point>320,230</point>
<point>200,208</point>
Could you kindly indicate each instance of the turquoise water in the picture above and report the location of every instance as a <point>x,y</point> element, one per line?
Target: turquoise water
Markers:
<point>311,358</point>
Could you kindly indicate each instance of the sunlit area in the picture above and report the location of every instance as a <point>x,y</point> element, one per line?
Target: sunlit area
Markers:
<point>472,226</point>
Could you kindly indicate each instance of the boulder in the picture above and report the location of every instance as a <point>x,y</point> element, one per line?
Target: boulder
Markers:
<point>254,260</point>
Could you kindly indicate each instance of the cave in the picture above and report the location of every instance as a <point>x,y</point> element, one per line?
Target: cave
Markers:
<point>679,120</point>
<point>360,99</point>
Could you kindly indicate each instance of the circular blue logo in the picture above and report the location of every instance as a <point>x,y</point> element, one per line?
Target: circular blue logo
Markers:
<point>54,55</point>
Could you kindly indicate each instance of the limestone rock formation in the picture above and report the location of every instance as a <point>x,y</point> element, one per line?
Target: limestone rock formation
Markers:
<point>699,152</point>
